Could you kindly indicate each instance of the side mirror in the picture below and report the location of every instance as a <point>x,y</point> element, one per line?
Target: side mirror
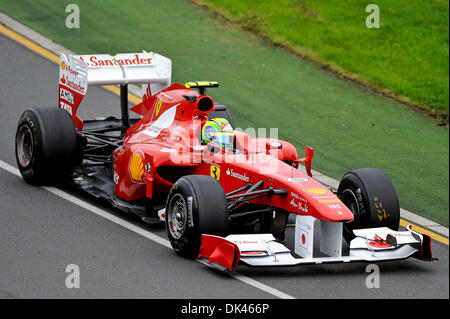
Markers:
<point>309,154</point>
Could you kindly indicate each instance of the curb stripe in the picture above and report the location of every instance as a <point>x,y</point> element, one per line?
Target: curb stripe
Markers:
<point>425,231</point>
<point>29,44</point>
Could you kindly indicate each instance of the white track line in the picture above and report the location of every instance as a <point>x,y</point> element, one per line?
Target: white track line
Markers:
<point>157,239</point>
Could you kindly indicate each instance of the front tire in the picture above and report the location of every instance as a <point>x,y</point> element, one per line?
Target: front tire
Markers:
<point>196,205</point>
<point>370,194</point>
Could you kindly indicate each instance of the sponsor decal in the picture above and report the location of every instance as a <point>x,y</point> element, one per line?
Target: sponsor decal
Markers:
<point>147,167</point>
<point>125,60</point>
<point>400,235</point>
<point>71,71</point>
<point>65,106</point>
<point>303,239</point>
<point>334,206</point>
<point>243,242</point>
<point>237,175</point>
<point>189,207</point>
<point>164,121</point>
<point>136,166</point>
<point>296,196</point>
<point>215,171</point>
<point>116,178</point>
<point>362,208</point>
<point>73,85</point>
<point>329,196</point>
<point>300,206</point>
<point>304,235</point>
<point>154,131</point>
<point>381,212</point>
<point>66,95</point>
<point>317,191</point>
<point>329,201</point>
<point>158,108</point>
<point>297,179</point>
<point>76,86</point>
<point>167,150</point>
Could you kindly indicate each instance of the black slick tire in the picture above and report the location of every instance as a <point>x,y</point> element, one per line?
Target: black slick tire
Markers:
<point>45,145</point>
<point>196,205</point>
<point>370,194</point>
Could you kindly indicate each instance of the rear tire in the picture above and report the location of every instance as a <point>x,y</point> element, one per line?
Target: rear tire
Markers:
<point>196,205</point>
<point>46,145</point>
<point>371,196</point>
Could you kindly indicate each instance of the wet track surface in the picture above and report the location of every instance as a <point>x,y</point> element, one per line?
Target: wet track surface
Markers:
<point>41,233</point>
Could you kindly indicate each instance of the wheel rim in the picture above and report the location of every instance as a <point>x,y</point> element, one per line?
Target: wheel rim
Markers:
<point>351,201</point>
<point>348,197</point>
<point>177,216</point>
<point>24,142</point>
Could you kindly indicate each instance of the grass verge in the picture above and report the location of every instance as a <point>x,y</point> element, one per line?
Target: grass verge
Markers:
<point>406,58</point>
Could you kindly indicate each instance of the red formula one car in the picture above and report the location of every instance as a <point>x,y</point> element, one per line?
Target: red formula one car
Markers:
<point>224,204</point>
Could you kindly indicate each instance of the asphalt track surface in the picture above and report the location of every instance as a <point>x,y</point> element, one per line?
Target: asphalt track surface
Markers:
<point>41,231</point>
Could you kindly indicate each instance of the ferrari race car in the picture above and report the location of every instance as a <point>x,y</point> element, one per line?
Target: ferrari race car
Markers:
<point>222,204</point>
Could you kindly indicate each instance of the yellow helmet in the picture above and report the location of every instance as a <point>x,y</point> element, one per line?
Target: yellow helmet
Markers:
<point>218,133</point>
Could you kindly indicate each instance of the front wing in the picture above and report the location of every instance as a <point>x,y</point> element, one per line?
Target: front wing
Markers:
<point>263,250</point>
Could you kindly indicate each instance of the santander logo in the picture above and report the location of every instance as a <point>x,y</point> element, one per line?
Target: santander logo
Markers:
<point>125,60</point>
<point>234,174</point>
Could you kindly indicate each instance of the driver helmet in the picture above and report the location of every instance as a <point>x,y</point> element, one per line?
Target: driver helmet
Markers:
<point>218,133</point>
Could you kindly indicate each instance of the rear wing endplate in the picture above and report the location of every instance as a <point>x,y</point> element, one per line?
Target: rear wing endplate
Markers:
<point>77,72</point>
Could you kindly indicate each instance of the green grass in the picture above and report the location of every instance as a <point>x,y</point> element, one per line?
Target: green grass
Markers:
<point>266,86</point>
<point>406,58</point>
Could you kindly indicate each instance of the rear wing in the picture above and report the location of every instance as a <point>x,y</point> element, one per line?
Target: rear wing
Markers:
<point>77,72</point>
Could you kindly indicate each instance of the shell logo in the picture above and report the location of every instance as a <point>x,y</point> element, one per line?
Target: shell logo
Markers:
<point>136,166</point>
<point>317,191</point>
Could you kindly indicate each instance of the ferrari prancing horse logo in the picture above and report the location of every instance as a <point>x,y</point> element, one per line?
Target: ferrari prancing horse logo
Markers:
<point>215,171</point>
<point>158,107</point>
